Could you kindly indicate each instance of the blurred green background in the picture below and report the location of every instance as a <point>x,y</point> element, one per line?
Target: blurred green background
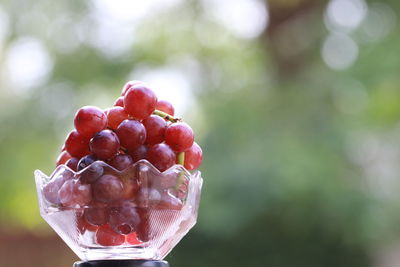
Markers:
<point>296,104</point>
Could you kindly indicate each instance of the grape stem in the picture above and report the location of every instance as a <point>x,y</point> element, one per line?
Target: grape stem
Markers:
<point>166,116</point>
<point>181,161</point>
<point>181,158</point>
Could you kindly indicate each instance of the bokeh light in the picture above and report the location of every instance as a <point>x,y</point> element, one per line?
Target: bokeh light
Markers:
<point>4,26</point>
<point>379,22</point>
<point>244,18</point>
<point>27,64</point>
<point>169,83</point>
<point>345,14</point>
<point>339,51</point>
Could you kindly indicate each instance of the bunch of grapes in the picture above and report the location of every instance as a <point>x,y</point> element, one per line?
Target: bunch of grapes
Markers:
<point>113,205</point>
<point>137,127</point>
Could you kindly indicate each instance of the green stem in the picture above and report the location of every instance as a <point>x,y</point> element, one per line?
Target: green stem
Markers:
<point>181,158</point>
<point>181,175</point>
<point>166,116</point>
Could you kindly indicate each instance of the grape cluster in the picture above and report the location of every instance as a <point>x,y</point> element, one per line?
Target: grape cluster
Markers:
<point>103,145</point>
<point>138,127</point>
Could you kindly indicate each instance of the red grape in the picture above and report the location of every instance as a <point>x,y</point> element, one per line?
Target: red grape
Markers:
<point>108,188</point>
<point>90,120</point>
<point>124,219</point>
<point>91,173</point>
<point>77,145</point>
<point>121,162</point>
<point>179,136</point>
<point>193,157</point>
<point>73,193</point>
<point>104,145</point>
<point>165,181</point>
<point>140,101</point>
<point>105,236</point>
<point>96,216</point>
<point>166,107</point>
<point>115,116</point>
<point>132,239</point>
<point>119,102</point>
<point>72,163</point>
<point>128,86</point>
<point>131,134</point>
<point>62,158</point>
<point>50,190</point>
<point>155,129</point>
<point>161,156</point>
<point>139,153</point>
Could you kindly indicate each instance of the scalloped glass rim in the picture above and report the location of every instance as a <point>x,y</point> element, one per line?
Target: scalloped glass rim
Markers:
<point>183,220</point>
<point>143,161</point>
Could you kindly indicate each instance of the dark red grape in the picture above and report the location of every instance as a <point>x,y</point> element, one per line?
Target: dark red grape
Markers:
<point>143,230</point>
<point>128,86</point>
<point>155,129</point>
<point>161,156</point>
<point>91,173</point>
<point>108,188</point>
<point>90,120</point>
<point>131,134</point>
<point>131,187</point>
<point>115,116</point>
<point>193,157</point>
<point>166,107</point>
<point>104,145</point>
<point>124,219</point>
<point>121,162</point>
<point>119,102</point>
<point>86,161</point>
<point>72,163</point>
<point>138,153</point>
<point>140,101</point>
<point>147,197</point>
<point>74,194</point>
<point>62,158</point>
<point>97,216</point>
<point>105,236</point>
<point>84,226</point>
<point>77,145</point>
<point>179,136</point>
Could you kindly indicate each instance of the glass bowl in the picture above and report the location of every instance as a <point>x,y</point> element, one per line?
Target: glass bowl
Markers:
<point>102,213</point>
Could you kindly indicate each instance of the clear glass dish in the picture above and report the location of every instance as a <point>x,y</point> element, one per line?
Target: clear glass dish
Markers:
<point>151,215</point>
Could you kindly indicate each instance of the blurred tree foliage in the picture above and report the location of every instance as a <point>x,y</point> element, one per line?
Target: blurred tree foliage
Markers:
<point>300,163</point>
